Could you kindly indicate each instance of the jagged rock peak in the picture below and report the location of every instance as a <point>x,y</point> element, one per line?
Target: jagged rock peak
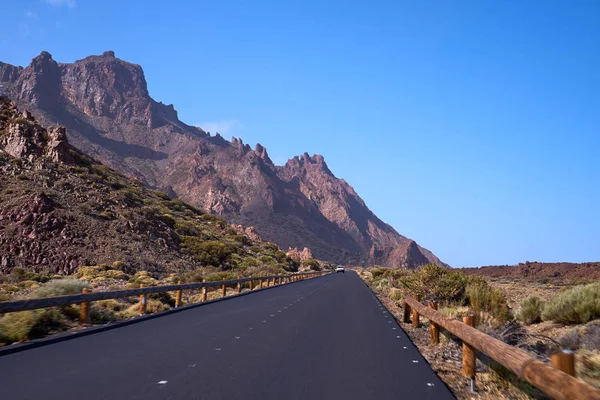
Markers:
<point>262,153</point>
<point>109,53</point>
<point>305,160</point>
<point>43,62</point>
<point>44,55</point>
<point>300,255</point>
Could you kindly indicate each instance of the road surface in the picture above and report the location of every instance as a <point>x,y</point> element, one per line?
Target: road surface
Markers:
<point>323,338</point>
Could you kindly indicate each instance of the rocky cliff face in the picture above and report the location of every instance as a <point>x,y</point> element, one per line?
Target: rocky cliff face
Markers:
<point>105,104</point>
<point>60,209</point>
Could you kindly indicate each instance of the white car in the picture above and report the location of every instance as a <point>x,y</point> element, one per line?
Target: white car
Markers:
<point>339,268</point>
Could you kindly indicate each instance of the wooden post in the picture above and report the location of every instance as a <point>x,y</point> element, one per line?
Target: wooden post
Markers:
<point>260,284</point>
<point>434,328</point>
<point>143,302</point>
<point>178,296</point>
<point>239,287</point>
<point>407,312</point>
<point>565,361</point>
<point>250,282</point>
<point>224,290</point>
<point>273,282</point>
<point>415,314</point>
<point>84,309</point>
<point>468,362</point>
<point>204,294</point>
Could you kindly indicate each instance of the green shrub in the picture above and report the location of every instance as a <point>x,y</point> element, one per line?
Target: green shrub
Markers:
<point>221,276</point>
<point>142,278</point>
<point>167,219</point>
<point>186,228</point>
<point>27,325</point>
<point>270,246</point>
<point>60,287</point>
<point>531,310</point>
<point>576,305</point>
<point>101,315</point>
<point>163,297</point>
<point>18,275</point>
<point>437,283</point>
<point>152,306</point>
<point>312,264</point>
<point>484,298</point>
<point>209,252</point>
<point>97,273</point>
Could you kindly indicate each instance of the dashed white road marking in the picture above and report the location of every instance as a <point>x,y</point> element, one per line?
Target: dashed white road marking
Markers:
<point>237,337</point>
<point>218,349</point>
<point>162,382</point>
<point>393,329</point>
<point>415,361</point>
<point>250,328</point>
<point>430,384</point>
<point>264,321</point>
<point>405,347</point>
<point>192,365</point>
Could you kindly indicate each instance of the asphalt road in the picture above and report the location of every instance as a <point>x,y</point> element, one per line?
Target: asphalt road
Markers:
<point>323,338</point>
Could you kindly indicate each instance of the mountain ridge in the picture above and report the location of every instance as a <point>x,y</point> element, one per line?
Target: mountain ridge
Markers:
<point>105,104</point>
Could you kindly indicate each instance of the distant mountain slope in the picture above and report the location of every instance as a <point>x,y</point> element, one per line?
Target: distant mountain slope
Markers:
<point>538,270</point>
<point>60,209</point>
<point>105,104</point>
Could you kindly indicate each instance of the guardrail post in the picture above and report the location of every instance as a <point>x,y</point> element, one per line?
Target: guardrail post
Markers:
<point>143,302</point>
<point>565,361</point>
<point>250,282</point>
<point>407,312</point>
<point>239,287</point>
<point>204,294</point>
<point>260,284</point>
<point>415,314</point>
<point>178,296</point>
<point>84,309</point>
<point>468,361</point>
<point>224,290</point>
<point>434,328</point>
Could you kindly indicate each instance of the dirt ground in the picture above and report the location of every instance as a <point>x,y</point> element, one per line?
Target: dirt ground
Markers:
<point>492,380</point>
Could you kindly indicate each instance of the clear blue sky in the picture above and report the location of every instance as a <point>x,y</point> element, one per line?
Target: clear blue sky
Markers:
<point>472,127</point>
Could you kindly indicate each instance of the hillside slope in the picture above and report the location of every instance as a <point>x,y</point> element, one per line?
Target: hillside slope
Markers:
<point>105,104</point>
<point>60,209</point>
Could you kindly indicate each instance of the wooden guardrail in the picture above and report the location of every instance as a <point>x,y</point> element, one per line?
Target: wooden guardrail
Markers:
<point>86,297</point>
<point>551,380</point>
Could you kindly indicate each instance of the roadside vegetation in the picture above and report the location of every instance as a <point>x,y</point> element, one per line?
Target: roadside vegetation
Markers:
<point>29,325</point>
<point>537,317</point>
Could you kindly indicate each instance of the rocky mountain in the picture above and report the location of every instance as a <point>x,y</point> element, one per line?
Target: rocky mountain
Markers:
<point>60,209</point>
<point>105,104</point>
<point>540,270</point>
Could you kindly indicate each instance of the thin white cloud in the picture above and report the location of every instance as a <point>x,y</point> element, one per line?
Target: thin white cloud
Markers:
<point>223,127</point>
<point>31,15</point>
<point>60,3</point>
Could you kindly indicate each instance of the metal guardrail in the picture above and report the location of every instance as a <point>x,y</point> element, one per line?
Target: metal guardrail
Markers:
<point>551,380</point>
<point>85,298</point>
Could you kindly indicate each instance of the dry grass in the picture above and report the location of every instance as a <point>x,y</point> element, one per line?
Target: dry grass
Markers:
<point>493,381</point>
